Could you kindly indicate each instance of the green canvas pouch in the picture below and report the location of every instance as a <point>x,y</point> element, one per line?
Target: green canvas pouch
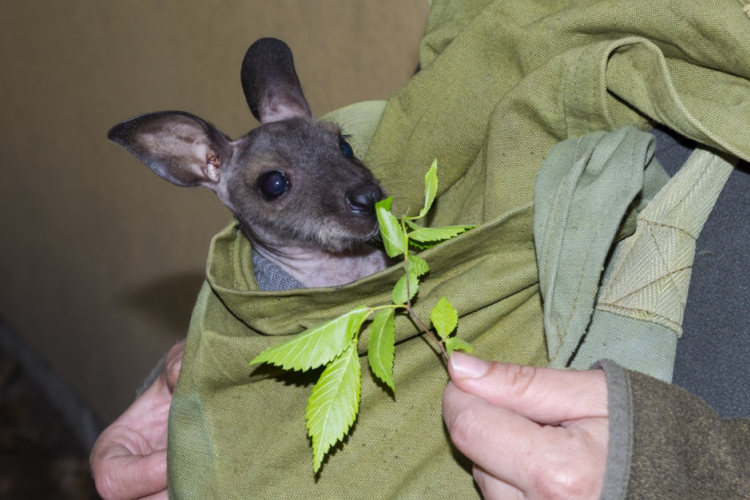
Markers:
<point>502,82</point>
<point>231,406</point>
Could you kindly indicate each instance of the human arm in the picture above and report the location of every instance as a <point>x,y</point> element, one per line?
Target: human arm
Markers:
<point>680,447</point>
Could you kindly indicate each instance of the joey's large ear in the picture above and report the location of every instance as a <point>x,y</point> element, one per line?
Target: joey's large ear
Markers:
<point>271,86</point>
<point>178,146</point>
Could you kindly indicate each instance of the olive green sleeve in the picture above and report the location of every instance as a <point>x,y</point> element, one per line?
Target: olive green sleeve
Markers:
<point>666,443</point>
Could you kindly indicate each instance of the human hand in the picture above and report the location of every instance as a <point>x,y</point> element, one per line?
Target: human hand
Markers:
<point>532,433</point>
<point>129,459</point>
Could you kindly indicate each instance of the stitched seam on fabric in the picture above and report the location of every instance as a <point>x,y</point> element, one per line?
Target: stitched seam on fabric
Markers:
<point>574,70</point>
<point>604,90</point>
<point>564,333</point>
<point>641,218</point>
<point>550,229</point>
<point>560,331</point>
<point>694,186</point>
<point>644,311</point>
<point>668,226</point>
<point>670,275</point>
<point>621,262</point>
<point>680,118</point>
<point>660,278</point>
<point>594,94</point>
<point>621,259</point>
<point>573,308</point>
<point>598,231</point>
<point>686,116</point>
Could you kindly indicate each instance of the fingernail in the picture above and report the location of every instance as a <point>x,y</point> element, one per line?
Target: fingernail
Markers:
<point>466,366</point>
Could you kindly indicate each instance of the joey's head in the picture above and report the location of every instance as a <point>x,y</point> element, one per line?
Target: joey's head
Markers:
<point>292,182</point>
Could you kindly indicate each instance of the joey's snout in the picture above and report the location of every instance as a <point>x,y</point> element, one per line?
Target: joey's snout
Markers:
<point>362,200</point>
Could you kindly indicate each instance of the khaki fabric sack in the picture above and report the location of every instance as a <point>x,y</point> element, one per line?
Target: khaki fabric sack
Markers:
<point>502,82</point>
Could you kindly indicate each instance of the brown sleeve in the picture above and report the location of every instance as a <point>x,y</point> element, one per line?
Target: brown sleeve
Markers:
<point>676,445</point>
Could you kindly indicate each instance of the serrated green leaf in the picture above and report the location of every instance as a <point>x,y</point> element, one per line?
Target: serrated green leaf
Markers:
<point>381,348</point>
<point>316,346</point>
<point>334,403</point>
<point>418,265</point>
<point>430,188</point>
<point>437,233</point>
<point>444,318</point>
<point>393,236</point>
<point>455,343</point>
<point>399,291</point>
<point>412,225</point>
<point>423,246</point>
<point>385,204</point>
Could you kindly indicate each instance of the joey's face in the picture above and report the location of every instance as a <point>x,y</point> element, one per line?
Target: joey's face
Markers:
<point>292,182</point>
<point>297,183</point>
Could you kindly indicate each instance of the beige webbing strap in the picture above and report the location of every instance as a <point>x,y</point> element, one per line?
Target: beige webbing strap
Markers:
<point>638,315</point>
<point>650,274</point>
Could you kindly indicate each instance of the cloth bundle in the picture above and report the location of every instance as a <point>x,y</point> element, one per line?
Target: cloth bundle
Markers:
<point>502,83</point>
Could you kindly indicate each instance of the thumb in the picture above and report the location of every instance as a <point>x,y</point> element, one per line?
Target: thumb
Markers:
<point>173,363</point>
<point>543,395</point>
<point>124,476</point>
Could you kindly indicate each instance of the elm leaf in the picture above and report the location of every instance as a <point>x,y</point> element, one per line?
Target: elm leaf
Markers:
<point>394,239</point>
<point>418,265</point>
<point>428,234</point>
<point>455,343</point>
<point>316,346</point>
<point>399,291</point>
<point>385,203</point>
<point>430,188</point>
<point>412,224</point>
<point>423,246</point>
<point>381,348</point>
<point>334,403</point>
<point>444,318</point>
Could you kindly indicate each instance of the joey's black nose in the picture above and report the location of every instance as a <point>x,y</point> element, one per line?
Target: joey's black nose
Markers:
<point>362,201</point>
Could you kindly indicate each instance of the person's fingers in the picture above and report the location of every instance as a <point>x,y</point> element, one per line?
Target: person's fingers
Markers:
<point>142,428</point>
<point>545,459</point>
<point>162,495</point>
<point>127,477</point>
<point>542,394</point>
<point>494,489</point>
<point>129,458</point>
<point>173,363</point>
<point>486,434</point>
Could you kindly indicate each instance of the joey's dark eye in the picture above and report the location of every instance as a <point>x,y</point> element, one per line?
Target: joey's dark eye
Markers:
<point>346,148</point>
<point>273,184</point>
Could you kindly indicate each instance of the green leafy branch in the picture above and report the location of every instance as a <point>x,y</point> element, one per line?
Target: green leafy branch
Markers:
<point>334,402</point>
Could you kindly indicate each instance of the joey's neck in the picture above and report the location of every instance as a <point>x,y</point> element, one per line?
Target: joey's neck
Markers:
<point>320,269</point>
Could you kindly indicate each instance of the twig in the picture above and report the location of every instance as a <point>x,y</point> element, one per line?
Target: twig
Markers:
<point>414,315</point>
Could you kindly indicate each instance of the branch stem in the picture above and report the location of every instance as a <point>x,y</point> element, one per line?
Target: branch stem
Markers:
<point>428,332</point>
<point>411,311</point>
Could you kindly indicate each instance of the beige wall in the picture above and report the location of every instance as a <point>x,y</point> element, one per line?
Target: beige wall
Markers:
<point>100,259</point>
